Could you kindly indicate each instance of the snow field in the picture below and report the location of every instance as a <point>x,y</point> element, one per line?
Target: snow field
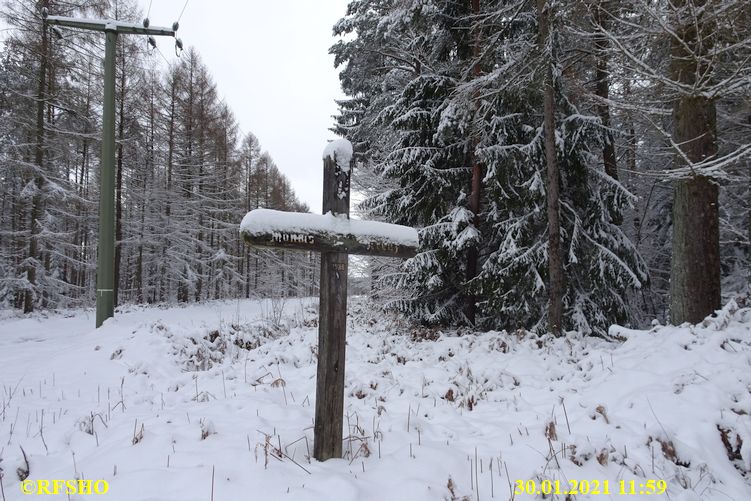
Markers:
<point>159,400</point>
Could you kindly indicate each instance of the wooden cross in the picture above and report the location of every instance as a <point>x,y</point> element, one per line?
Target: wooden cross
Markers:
<point>335,236</point>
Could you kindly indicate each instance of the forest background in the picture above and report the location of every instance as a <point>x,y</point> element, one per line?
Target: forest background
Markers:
<point>570,164</point>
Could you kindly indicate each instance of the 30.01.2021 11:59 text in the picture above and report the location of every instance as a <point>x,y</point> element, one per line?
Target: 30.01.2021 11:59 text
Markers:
<point>591,487</point>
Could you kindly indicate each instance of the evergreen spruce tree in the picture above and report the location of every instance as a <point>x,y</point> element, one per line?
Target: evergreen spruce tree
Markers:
<point>449,113</point>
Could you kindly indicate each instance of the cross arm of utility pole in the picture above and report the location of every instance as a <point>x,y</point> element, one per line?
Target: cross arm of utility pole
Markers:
<point>109,25</point>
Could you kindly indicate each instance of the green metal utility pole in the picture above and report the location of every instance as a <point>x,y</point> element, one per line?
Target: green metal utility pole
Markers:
<point>105,276</point>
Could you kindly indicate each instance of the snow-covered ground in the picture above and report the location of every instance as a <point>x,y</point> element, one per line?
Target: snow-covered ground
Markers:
<point>160,400</point>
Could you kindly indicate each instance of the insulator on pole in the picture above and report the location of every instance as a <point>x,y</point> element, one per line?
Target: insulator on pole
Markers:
<point>152,42</point>
<point>146,22</point>
<point>58,32</point>
<point>175,26</point>
<point>178,47</point>
<point>45,13</point>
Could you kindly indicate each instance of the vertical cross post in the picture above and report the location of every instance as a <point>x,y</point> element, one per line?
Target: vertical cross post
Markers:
<point>332,327</point>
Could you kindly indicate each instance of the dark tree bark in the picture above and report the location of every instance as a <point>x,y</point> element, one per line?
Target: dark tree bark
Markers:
<point>630,131</point>
<point>39,180</point>
<point>555,267</point>
<point>166,280</point>
<point>474,197</point>
<point>602,90</point>
<point>248,182</point>
<point>119,167</point>
<point>201,131</point>
<point>695,266</point>
<point>148,177</point>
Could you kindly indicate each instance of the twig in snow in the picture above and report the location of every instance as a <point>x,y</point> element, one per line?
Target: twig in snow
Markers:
<point>477,480</point>
<point>552,451</point>
<point>122,397</point>
<point>41,433</point>
<point>566,415</point>
<point>298,464</point>
<point>260,379</point>
<point>22,473</point>
<point>13,392</point>
<point>652,450</point>
<point>100,419</point>
<point>349,439</point>
<point>508,479</point>
<point>280,383</point>
<point>137,437</point>
<point>657,419</point>
<point>2,489</point>
<point>490,470</point>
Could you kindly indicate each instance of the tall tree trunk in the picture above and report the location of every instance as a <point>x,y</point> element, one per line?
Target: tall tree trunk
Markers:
<point>17,217</point>
<point>80,241</point>
<point>189,165</point>
<point>474,197</point>
<point>165,279</point>
<point>555,266</point>
<point>248,207</point>
<point>147,177</point>
<point>39,180</point>
<point>630,130</point>
<point>602,89</point>
<point>202,126</point>
<point>119,186</point>
<point>695,266</point>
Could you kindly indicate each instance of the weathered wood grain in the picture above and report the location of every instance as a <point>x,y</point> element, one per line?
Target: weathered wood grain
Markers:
<point>332,326</point>
<point>319,241</point>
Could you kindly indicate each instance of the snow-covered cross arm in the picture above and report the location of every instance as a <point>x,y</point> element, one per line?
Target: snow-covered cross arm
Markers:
<point>327,233</point>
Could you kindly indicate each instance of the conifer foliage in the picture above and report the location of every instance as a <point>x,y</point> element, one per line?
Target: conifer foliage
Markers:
<point>569,165</point>
<point>185,173</point>
<point>439,86</point>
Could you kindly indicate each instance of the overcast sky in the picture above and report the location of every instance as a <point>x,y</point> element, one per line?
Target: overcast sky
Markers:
<point>271,64</point>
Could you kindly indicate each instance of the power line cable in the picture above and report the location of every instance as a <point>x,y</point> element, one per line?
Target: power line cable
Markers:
<point>161,54</point>
<point>183,11</point>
